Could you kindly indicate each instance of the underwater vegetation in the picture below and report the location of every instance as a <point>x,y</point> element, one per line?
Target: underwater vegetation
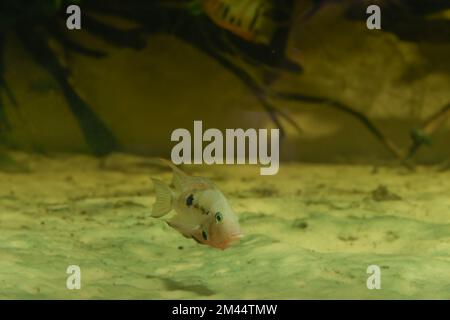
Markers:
<point>248,38</point>
<point>35,23</point>
<point>420,22</point>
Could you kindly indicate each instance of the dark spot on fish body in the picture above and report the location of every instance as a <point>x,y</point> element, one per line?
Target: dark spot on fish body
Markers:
<point>204,235</point>
<point>190,200</point>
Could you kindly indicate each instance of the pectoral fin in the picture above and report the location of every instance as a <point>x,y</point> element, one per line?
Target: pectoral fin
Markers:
<point>185,229</point>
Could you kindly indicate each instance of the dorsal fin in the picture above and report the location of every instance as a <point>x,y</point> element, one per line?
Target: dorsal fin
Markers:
<point>183,181</point>
<point>180,178</point>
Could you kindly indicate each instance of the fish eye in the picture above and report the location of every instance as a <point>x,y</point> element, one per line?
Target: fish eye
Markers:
<point>190,200</point>
<point>219,217</point>
<point>204,235</point>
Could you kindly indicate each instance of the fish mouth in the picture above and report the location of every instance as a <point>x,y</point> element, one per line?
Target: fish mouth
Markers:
<point>236,236</point>
<point>233,239</point>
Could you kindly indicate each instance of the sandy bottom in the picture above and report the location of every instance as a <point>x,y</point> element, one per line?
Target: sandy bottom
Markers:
<point>310,232</point>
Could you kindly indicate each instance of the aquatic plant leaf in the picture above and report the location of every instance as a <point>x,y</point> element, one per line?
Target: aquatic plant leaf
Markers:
<point>98,136</point>
<point>195,8</point>
<point>420,137</point>
<point>62,36</point>
<point>117,37</point>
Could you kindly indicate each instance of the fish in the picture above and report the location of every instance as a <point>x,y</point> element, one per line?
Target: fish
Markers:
<point>248,19</point>
<point>202,211</point>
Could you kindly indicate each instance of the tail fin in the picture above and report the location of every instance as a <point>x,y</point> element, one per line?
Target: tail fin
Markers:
<point>163,203</point>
